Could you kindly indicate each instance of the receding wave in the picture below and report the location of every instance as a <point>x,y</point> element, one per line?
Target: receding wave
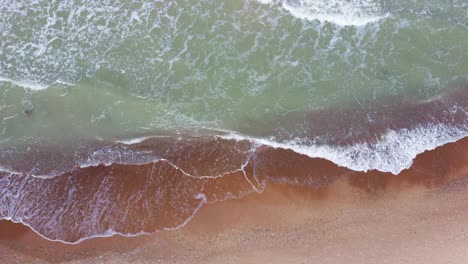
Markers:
<point>131,199</point>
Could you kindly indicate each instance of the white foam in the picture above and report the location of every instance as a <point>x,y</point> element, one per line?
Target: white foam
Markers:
<point>116,155</point>
<point>138,140</point>
<point>393,153</point>
<point>133,140</point>
<point>339,12</point>
<point>25,84</point>
<point>36,86</point>
<point>110,232</point>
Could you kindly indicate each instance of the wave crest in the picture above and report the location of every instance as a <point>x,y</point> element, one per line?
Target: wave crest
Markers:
<point>339,12</point>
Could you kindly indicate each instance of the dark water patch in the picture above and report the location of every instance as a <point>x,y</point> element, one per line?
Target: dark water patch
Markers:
<point>349,124</point>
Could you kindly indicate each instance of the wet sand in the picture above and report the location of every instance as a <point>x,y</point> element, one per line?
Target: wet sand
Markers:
<point>343,223</point>
<point>418,216</point>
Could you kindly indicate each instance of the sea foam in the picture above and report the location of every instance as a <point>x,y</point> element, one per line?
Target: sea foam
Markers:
<point>339,12</point>
<point>25,84</point>
<point>393,153</point>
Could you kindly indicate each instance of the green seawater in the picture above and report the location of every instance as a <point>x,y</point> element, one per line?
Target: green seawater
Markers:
<point>72,70</point>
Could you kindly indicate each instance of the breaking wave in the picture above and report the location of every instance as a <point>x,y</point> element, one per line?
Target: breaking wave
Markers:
<point>339,12</point>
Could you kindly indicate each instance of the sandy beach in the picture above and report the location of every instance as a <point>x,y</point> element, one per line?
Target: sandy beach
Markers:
<point>343,223</point>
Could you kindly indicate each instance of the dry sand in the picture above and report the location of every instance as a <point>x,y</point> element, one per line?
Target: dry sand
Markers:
<point>338,224</point>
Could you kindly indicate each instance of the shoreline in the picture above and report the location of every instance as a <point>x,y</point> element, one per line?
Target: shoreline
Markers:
<point>60,208</point>
<point>343,222</point>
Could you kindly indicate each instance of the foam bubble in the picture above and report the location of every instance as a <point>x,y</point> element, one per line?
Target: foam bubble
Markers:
<point>339,12</point>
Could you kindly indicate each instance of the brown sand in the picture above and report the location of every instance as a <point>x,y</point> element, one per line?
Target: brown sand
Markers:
<point>339,224</point>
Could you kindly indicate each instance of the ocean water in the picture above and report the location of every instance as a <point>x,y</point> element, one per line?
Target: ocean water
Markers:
<point>125,117</point>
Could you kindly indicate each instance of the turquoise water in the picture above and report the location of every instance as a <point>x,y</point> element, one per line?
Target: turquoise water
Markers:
<point>114,68</point>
